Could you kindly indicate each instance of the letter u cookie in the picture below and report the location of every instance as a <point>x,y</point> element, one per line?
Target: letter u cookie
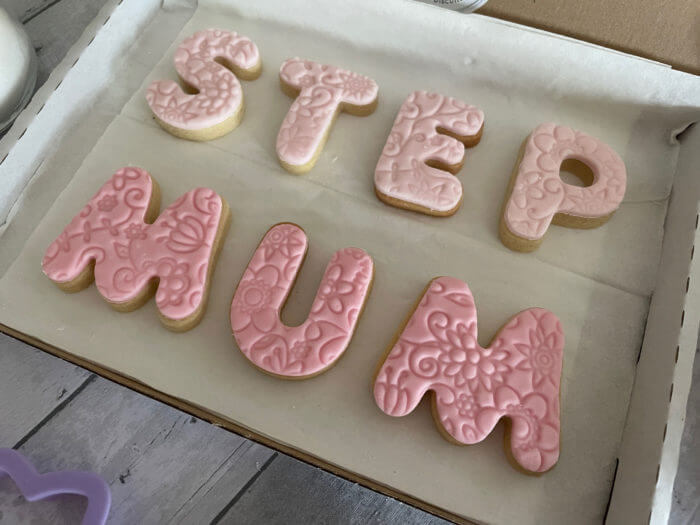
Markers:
<point>298,352</point>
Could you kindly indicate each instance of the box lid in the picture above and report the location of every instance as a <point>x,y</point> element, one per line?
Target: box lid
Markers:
<point>667,32</point>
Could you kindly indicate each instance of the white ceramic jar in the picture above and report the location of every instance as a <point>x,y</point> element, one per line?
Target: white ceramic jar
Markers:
<point>18,65</point>
<point>466,6</point>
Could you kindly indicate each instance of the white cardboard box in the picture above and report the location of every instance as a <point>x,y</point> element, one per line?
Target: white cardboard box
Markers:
<point>93,97</point>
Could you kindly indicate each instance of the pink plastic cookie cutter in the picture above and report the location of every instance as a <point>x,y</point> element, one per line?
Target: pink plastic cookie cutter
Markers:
<point>35,486</point>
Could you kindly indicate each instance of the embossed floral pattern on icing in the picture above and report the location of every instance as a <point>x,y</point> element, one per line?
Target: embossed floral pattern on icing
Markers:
<point>220,95</point>
<point>323,90</point>
<point>516,377</point>
<point>128,253</point>
<point>402,172</point>
<point>310,348</point>
<point>539,193</point>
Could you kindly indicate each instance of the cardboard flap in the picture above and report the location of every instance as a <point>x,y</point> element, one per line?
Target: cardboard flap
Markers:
<point>666,32</point>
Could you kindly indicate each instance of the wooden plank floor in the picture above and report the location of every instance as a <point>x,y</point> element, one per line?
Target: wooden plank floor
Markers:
<point>163,465</point>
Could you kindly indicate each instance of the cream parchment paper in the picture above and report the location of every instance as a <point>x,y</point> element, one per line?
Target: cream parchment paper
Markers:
<point>598,282</point>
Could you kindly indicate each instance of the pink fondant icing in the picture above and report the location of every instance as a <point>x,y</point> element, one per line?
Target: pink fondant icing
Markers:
<point>310,348</point>
<point>322,90</point>
<point>128,253</point>
<point>539,193</point>
<point>516,377</point>
<point>220,95</point>
<point>402,172</point>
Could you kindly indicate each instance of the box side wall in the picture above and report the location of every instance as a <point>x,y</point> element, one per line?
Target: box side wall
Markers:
<point>71,89</point>
<point>651,441</point>
<point>686,350</point>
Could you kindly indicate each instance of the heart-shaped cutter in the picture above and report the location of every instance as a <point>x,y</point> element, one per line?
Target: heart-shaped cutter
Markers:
<point>35,486</point>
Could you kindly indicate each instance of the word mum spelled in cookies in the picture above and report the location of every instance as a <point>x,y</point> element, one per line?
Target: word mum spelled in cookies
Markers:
<point>118,239</point>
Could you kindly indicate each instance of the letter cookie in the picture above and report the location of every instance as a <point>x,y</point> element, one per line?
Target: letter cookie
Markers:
<point>115,240</point>
<point>297,352</point>
<point>321,92</point>
<point>517,377</point>
<point>537,196</point>
<point>427,141</point>
<point>211,105</point>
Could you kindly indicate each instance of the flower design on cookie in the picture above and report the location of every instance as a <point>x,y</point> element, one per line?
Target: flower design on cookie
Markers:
<point>255,296</point>
<point>333,289</point>
<point>107,203</point>
<point>300,350</point>
<point>253,300</point>
<point>356,86</point>
<point>188,234</point>
<point>284,240</point>
<point>468,363</point>
<point>176,113</point>
<point>135,231</point>
<point>540,355</point>
<point>174,282</point>
<point>293,141</point>
<point>467,405</point>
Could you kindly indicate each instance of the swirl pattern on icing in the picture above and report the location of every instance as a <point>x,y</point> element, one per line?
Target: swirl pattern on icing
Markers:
<point>517,377</point>
<point>310,348</point>
<point>219,95</point>
<point>110,231</point>
<point>538,192</point>
<point>323,91</point>
<point>416,137</point>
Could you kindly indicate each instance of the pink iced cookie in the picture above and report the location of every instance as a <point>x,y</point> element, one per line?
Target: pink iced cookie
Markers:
<point>321,92</point>
<point>426,142</point>
<point>517,377</point>
<point>212,105</point>
<point>537,196</point>
<point>297,352</point>
<point>115,240</point>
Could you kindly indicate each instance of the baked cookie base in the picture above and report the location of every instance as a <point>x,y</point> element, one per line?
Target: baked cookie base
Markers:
<point>204,134</point>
